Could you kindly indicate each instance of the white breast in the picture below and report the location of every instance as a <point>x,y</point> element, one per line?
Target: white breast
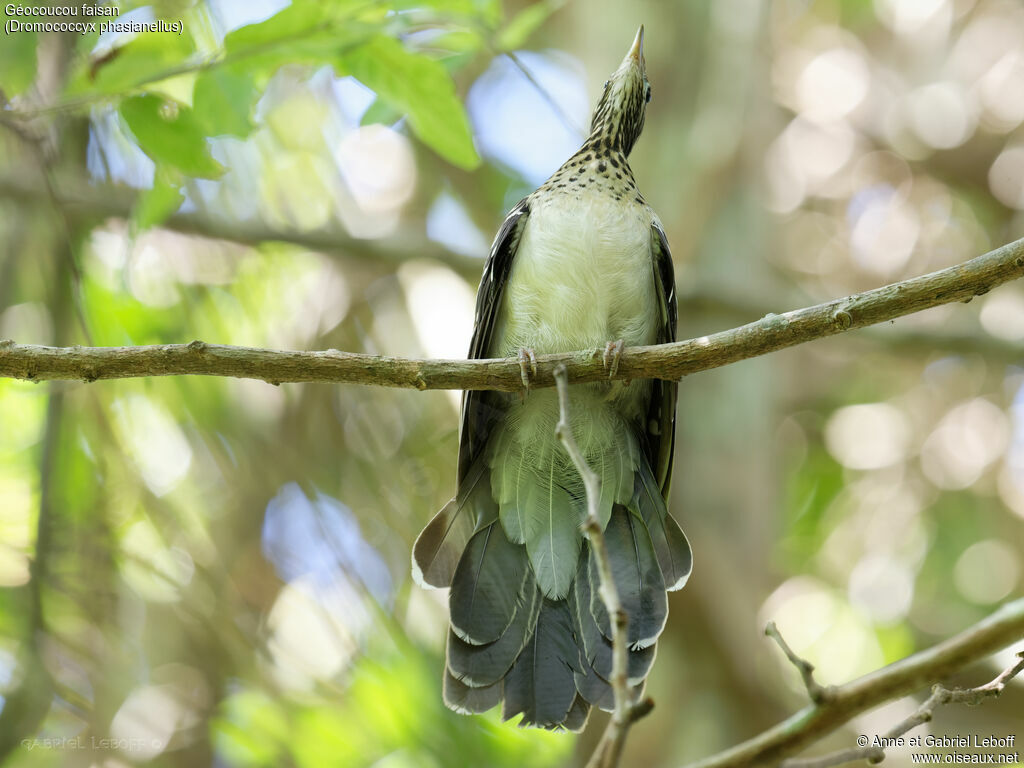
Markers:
<point>582,276</point>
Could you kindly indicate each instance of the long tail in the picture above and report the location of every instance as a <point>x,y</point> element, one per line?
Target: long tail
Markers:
<point>514,639</point>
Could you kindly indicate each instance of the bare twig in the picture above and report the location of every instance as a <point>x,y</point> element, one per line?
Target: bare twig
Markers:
<point>874,751</point>
<point>626,712</point>
<point>664,361</point>
<point>567,120</point>
<point>901,678</point>
<point>815,690</point>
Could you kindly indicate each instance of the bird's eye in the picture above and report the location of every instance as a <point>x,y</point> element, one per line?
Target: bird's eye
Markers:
<point>647,93</point>
<point>606,82</point>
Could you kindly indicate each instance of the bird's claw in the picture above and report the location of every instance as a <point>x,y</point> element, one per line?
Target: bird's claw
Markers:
<point>612,355</point>
<point>527,366</point>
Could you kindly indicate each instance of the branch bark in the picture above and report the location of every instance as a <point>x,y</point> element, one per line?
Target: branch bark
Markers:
<point>815,690</point>
<point>627,711</point>
<point>665,361</point>
<point>901,678</point>
<point>875,753</point>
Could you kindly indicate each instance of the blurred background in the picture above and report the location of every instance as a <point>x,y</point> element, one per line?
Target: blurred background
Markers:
<point>201,571</point>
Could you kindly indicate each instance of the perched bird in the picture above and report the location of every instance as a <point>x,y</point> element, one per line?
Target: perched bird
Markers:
<point>583,262</point>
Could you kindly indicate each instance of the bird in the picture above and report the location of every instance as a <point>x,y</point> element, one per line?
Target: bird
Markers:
<point>581,263</point>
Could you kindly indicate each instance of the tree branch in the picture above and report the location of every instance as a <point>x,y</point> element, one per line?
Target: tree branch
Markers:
<point>874,751</point>
<point>80,198</point>
<point>665,361</point>
<point>844,702</point>
<point>85,199</point>
<point>817,692</point>
<point>609,749</point>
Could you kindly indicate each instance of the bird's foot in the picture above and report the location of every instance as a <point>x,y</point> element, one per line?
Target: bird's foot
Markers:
<point>612,355</point>
<point>527,367</point>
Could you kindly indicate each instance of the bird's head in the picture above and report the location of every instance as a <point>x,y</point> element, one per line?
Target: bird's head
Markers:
<point>619,116</point>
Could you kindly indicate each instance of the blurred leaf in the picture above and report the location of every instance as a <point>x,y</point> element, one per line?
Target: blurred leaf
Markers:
<point>459,41</point>
<point>896,641</point>
<point>525,23</point>
<point>858,14</point>
<point>809,493</point>
<point>294,20</point>
<point>420,87</point>
<point>487,12</point>
<point>222,102</point>
<point>168,133</point>
<point>393,704</point>
<point>250,730</point>
<point>17,58</point>
<point>381,112</point>
<point>148,58</point>
<point>304,32</point>
<point>159,201</point>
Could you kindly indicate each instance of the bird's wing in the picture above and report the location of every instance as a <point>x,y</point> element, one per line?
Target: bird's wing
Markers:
<point>661,414</point>
<point>670,544</point>
<point>480,409</point>
<point>440,545</point>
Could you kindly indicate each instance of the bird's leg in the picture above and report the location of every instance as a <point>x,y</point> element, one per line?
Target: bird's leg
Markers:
<point>612,355</point>
<point>527,367</point>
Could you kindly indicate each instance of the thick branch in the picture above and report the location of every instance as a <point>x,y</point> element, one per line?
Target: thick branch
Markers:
<point>81,198</point>
<point>901,678</point>
<point>875,752</point>
<point>665,361</point>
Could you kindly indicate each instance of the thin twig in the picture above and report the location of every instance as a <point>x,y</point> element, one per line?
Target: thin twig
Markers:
<point>664,361</point>
<point>626,712</point>
<point>874,751</point>
<point>894,681</point>
<point>815,690</point>
<point>567,120</point>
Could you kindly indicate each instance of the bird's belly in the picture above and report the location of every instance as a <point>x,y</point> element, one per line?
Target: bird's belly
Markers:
<point>582,276</point>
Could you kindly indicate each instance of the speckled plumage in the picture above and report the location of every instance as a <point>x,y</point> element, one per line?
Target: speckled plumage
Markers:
<point>581,262</point>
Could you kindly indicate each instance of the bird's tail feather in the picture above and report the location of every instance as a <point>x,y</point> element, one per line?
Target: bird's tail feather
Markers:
<point>440,544</point>
<point>548,658</point>
<point>638,580</point>
<point>540,683</point>
<point>670,544</point>
<point>593,684</point>
<point>479,666</point>
<point>539,492</point>
<point>487,585</point>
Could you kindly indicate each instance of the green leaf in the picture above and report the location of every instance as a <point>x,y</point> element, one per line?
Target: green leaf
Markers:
<point>159,201</point>
<point>420,87</point>
<point>487,12</point>
<point>305,32</point>
<point>458,41</point>
<point>148,58</point>
<point>168,133</point>
<point>251,729</point>
<point>17,57</point>
<point>222,102</point>
<point>525,23</point>
<point>381,111</point>
<point>293,21</point>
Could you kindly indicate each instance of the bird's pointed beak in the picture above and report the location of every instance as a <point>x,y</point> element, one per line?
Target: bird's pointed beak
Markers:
<point>636,53</point>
